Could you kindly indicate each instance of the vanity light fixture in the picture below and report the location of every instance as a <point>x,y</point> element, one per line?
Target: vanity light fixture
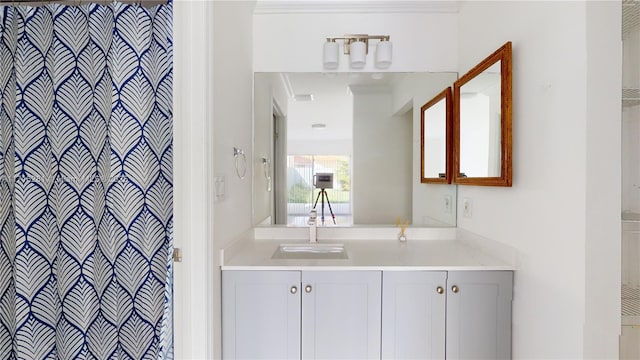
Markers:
<point>357,47</point>
<point>319,126</point>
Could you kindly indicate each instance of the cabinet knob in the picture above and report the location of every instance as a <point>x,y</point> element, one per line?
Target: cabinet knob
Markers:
<point>439,290</point>
<point>294,289</point>
<point>308,288</point>
<point>455,289</point>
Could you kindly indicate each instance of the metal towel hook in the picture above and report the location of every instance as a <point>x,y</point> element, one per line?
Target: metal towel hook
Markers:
<point>266,165</point>
<point>237,154</point>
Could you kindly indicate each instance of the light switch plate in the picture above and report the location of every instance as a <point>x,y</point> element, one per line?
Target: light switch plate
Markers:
<point>446,203</point>
<point>467,208</point>
<point>219,188</point>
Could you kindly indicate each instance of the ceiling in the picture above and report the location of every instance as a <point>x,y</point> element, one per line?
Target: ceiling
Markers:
<point>332,102</point>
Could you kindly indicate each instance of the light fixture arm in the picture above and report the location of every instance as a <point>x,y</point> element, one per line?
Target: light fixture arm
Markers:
<point>349,38</point>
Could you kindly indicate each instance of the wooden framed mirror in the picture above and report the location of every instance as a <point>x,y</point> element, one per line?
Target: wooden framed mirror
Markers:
<point>482,122</point>
<point>435,139</point>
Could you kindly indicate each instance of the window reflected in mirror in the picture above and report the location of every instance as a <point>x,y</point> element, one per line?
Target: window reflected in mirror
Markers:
<point>303,193</point>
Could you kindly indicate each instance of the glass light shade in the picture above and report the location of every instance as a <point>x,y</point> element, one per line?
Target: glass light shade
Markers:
<point>358,54</point>
<point>330,55</point>
<point>383,54</point>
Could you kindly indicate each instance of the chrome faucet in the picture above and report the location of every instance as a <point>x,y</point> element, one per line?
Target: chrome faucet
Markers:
<point>313,216</point>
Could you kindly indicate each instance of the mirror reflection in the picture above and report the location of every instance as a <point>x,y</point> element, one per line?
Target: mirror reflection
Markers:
<point>482,122</point>
<point>436,139</point>
<point>480,116</point>
<point>362,129</point>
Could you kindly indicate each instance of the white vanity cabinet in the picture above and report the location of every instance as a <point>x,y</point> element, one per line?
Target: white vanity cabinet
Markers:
<point>413,314</point>
<point>301,314</point>
<point>261,314</point>
<point>453,315</point>
<point>341,314</point>
<point>479,314</point>
<point>407,314</point>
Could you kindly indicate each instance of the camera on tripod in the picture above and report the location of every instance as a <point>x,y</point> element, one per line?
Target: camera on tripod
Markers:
<point>323,180</point>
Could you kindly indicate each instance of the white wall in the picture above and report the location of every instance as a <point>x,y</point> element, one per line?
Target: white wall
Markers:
<point>232,120</point>
<point>603,161</point>
<point>381,180</point>
<point>210,117</point>
<point>193,289</point>
<point>566,187</point>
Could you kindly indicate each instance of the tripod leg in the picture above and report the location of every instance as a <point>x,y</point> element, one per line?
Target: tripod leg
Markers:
<point>331,210</point>
<point>324,193</point>
<point>317,197</point>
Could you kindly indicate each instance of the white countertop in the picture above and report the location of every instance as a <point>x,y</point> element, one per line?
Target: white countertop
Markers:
<point>444,255</point>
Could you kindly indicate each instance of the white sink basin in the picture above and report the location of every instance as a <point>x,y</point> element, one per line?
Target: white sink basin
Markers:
<point>310,251</point>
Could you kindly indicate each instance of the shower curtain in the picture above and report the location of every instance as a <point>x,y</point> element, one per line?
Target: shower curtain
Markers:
<point>85,182</point>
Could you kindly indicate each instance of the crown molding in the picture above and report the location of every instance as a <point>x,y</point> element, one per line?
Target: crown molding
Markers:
<point>350,6</point>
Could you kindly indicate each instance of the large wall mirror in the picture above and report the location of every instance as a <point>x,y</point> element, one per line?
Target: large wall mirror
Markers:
<point>482,122</point>
<point>364,129</point>
<point>435,139</point>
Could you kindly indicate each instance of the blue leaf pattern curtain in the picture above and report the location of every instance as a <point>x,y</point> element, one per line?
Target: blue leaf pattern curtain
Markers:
<point>86,182</point>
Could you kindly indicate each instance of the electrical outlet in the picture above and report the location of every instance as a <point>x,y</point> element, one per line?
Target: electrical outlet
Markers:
<point>447,204</point>
<point>467,208</point>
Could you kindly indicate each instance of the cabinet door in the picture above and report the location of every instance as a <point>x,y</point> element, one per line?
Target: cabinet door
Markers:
<point>413,314</point>
<point>261,314</point>
<point>479,314</point>
<point>341,314</point>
